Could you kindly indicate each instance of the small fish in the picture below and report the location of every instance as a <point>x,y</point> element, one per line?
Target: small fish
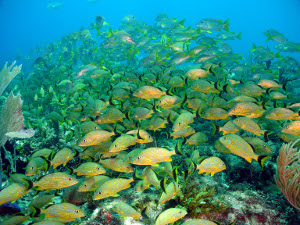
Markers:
<point>170,216</point>
<point>238,146</point>
<point>259,146</point>
<point>282,114</point>
<point>275,36</point>
<point>63,212</point>
<point>151,177</point>
<point>214,113</point>
<point>122,143</point>
<point>245,109</point>
<point>96,137</point>
<point>93,183</point>
<point>41,200</point>
<point>195,74</point>
<point>111,188</point>
<point>12,192</point>
<point>183,120</point>
<point>88,126</point>
<point>99,23</point>
<point>292,128</point>
<point>152,156</point>
<point>197,138</point>
<point>54,181</point>
<point>185,132</point>
<point>211,166</point>
<point>15,220</point>
<point>249,125</point>
<point>228,128</point>
<point>118,165</point>
<point>148,92</point>
<point>126,210</point>
<point>45,152</point>
<point>36,165</point>
<point>199,222</point>
<point>205,86</point>
<point>89,169</point>
<point>171,190</point>
<point>62,157</point>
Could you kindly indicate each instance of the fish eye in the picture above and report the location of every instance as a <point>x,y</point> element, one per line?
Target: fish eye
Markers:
<point>85,185</point>
<point>84,140</point>
<point>77,211</point>
<point>139,157</point>
<point>179,124</point>
<point>70,179</point>
<point>99,192</point>
<point>225,138</point>
<point>96,128</point>
<point>115,146</point>
<point>31,168</point>
<point>98,168</point>
<point>149,136</point>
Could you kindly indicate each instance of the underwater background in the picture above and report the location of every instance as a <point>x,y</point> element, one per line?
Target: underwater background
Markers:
<point>149,112</point>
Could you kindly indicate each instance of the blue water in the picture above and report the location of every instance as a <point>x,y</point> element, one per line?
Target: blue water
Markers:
<point>25,24</point>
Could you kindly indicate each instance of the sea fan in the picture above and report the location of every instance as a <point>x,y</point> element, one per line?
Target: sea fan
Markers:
<point>7,74</point>
<point>287,176</point>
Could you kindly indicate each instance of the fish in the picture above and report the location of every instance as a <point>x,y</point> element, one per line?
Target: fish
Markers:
<point>214,113</point>
<point>211,166</point>
<point>36,165</point>
<point>275,36</point>
<point>54,181</point>
<point>13,192</point>
<point>213,24</point>
<point>199,222</point>
<point>15,220</point>
<point>228,128</point>
<point>185,132</point>
<point>238,146</point>
<point>99,23</point>
<point>292,128</point>
<point>48,222</point>
<point>148,92</point>
<point>171,190</point>
<point>151,176</point>
<point>259,146</point>
<point>63,212</point>
<point>54,5</point>
<point>118,165</point>
<point>152,156</point>
<point>89,169</point>
<point>249,125</point>
<point>93,183</point>
<point>45,152</point>
<point>96,137</point>
<point>197,138</point>
<point>111,187</point>
<point>41,200</point>
<point>126,210</point>
<point>62,157</point>
<point>170,215</point>
<point>183,120</point>
<point>282,114</point>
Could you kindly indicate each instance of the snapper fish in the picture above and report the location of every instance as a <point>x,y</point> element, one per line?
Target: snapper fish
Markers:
<point>126,210</point>
<point>211,166</point>
<point>89,169</point>
<point>63,212</point>
<point>54,181</point>
<point>12,192</point>
<point>170,216</point>
<point>238,146</point>
<point>62,157</point>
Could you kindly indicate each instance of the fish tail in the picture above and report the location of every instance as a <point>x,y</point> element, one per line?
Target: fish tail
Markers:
<point>216,129</point>
<point>266,135</point>
<point>35,211</point>
<point>261,159</point>
<point>226,25</point>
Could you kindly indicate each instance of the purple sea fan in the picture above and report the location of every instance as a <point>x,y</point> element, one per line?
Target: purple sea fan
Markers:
<point>287,175</point>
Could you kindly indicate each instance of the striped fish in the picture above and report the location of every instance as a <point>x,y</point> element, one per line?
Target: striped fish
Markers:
<point>12,192</point>
<point>170,216</point>
<point>211,165</point>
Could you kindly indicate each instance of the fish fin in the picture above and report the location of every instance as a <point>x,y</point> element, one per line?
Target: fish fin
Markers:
<point>212,173</point>
<point>116,195</point>
<point>163,184</point>
<point>261,159</point>
<point>248,159</point>
<point>216,129</point>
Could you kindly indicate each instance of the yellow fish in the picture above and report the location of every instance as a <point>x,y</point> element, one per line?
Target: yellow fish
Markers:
<point>197,138</point>
<point>63,212</point>
<point>152,156</point>
<point>249,125</point>
<point>282,114</point>
<point>15,220</point>
<point>228,128</point>
<point>12,192</point>
<point>54,181</point>
<point>118,165</point>
<point>62,157</point>
<point>170,216</point>
<point>211,165</point>
<point>171,190</point>
<point>96,137</point>
<point>199,222</point>
<point>238,146</point>
<point>185,132</point>
<point>36,165</point>
<point>148,92</point>
<point>111,188</point>
<point>214,113</point>
<point>122,143</point>
<point>93,183</point>
<point>89,169</point>
<point>292,128</point>
<point>126,210</point>
<point>183,120</point>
